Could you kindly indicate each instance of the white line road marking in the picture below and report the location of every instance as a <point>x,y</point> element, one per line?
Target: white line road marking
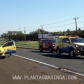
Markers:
<point>49,65</point>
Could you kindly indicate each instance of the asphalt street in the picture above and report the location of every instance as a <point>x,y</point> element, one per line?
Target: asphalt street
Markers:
<point>76,64</point>
<point>20,70</point>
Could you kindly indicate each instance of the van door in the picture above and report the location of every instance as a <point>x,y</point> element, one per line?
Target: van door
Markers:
<point>65,42</point>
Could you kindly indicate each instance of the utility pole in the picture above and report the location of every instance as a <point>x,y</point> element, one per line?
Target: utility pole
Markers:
<point>76,23</point>
<point>25,33</point>
<point>42,30</point>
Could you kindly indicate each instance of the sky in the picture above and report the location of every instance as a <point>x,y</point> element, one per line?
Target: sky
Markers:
<point>54,15</point>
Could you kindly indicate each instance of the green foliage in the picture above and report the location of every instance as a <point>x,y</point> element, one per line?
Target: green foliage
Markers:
<point>33,36</point>
<point>19,37</point>
<point>2,39</point>
<point>27,44</point>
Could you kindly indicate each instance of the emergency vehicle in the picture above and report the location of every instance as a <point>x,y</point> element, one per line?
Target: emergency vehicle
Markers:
<point>47,44</point>
<point>73,45</point>
<point>7,48</point>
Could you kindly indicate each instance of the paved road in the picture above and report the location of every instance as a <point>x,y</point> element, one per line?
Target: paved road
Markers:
<point>76,64</point>
<point>16,70</point>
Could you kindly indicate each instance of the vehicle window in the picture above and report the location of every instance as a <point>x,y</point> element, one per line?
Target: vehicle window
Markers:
<point>81,40</point>
<point>64,40</point>
<point>46,41</point>
<point>41,41</point>
<point>77,40</point>
<point>74,40</point>
<point>8,44</point>
<point>52,41</point>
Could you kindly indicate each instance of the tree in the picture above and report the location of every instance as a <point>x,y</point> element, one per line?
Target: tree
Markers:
<point>68,32</point>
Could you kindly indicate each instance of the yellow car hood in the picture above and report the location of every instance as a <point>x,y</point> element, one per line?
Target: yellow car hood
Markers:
<point>1,48</point>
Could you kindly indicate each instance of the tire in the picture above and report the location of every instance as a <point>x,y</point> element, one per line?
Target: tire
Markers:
<point>58,51</point>
<point>50,50</point>
<point>71,54</point>
<point>3,57</point>
<point>41,49</point>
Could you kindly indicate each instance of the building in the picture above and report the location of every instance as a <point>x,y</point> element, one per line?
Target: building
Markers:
<point>14,32</point>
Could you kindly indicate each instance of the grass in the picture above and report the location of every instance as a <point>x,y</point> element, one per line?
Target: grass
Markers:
<point>27,44</point>
<point>2,39</point>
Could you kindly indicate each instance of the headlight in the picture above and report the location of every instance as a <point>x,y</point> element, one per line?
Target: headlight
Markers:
<point>1,50</point>
<point>53,45</point>
<point>77,46</point>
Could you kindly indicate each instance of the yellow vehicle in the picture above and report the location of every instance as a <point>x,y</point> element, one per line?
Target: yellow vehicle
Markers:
<point>7,48</point>
<point>73,45</point>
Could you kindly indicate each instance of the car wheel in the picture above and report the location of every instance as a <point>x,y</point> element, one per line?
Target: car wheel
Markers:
<point>58,51</point>
<point>71,54</point>
<point>3,57</point>
<point>41,49</point>
<point>50,50</point>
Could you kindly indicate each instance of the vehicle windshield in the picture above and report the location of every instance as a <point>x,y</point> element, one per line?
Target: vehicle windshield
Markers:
<point>52,41</point>
<point>78,40</point>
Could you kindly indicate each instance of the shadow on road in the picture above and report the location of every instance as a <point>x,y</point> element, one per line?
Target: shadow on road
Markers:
<point>1,58</point>
<point>54,55</point>
<point>37,51</point>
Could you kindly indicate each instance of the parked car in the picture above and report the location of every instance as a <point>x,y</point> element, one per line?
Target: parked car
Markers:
<point>7,48</point>
<point>73,45</point>
<point>47,44</point>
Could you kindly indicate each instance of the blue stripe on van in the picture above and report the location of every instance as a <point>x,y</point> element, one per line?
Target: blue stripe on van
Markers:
<point>10,51</point>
